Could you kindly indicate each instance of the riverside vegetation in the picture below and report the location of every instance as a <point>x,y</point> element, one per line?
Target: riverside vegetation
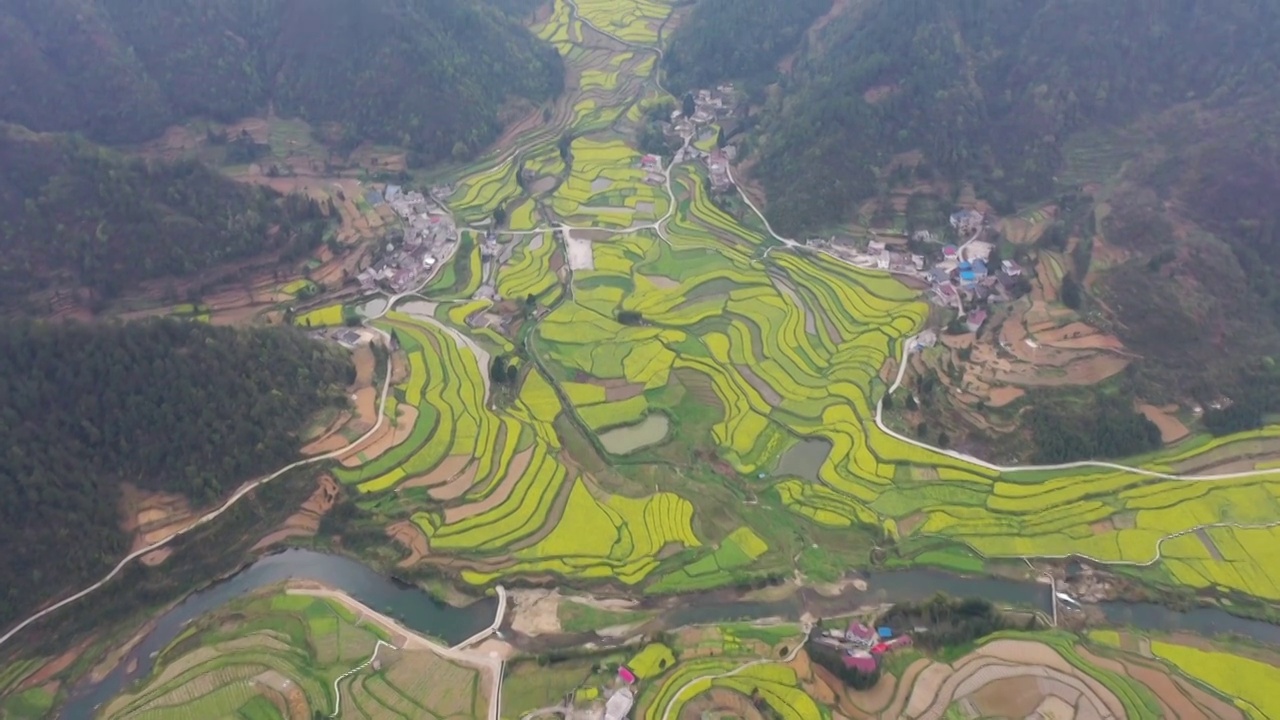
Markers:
<point>633,295</point>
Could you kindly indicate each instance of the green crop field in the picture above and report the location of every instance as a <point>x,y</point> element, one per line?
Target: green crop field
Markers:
<point>278,655</point>
<point>661,302</point>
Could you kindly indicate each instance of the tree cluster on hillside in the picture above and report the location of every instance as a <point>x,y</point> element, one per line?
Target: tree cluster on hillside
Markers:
<point>70,207</point>
<point>1068,427</point>
<point>165,405</point>
<point>429,74</point>
<point>989,91</point>
<point>733,39</point>
<point>948,621</point>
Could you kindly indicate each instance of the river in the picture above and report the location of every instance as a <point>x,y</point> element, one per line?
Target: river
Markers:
<point>413,607</point>
<point>421,612</point>
<point>917,585</point>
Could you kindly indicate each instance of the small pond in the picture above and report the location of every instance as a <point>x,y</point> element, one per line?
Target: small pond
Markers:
<point>630,438</point>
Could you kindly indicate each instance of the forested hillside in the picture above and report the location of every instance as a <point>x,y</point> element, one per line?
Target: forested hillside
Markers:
<point>990,90</point>
<point>1194,212</point>
<point>733,39</point>
<point>429,74</point>
<point>72,210</point>
<point>165,405</point>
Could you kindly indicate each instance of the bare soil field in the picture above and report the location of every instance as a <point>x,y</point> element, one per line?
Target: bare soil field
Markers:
<point>156,557</point>
<point>458,485</point>
<point>366,402</point>
<point>770,395</point>
<point>722,702</point>
<point>443,473</point>
<point>662,282</point>
<point>411,537</point>
<point>1011,697</point>
<point>153,516</point>
<point>305,522</point>
<point>54,666</point>
<point>535,612</point>
<point>1013,678</point>
<point>625,391</point>
<point>998,397</point>
<point>519,464</point>
<point>384,439</point>
<point>1171,428</point>
<point>329,439</point>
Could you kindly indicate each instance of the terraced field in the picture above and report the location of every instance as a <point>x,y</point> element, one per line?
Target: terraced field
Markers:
<point>295,656</point>
<point>741,671</point>
<point>649,298</point>
<point>620,294</point>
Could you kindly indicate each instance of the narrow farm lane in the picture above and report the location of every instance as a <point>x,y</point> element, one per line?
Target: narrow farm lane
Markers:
<point>414,641</point>
<point>666,711</point>
<point>212,515</point>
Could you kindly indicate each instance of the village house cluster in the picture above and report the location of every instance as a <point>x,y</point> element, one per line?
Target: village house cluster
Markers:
<point>862,647</point>
<point>712,107</point>
<point>965,277</point>
<point>429,237</point>
<point>961,276</point>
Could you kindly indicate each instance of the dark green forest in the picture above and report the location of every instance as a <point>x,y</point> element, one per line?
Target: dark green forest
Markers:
<point>162,404</point>
<point>428,74</point>
<point>735,39</point>
<point>1068,427</point>
<point>73,209</point>
<point>990,89</point>
<point>1195,212</point>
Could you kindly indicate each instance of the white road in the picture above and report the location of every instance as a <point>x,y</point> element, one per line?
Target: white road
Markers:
<point>491,662</point>
<point>212,515</point>
<point>666,711</point>
<point>1085,464</point>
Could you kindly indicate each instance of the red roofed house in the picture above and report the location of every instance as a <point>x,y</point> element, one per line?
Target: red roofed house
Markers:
<point>860,661</point>
<point>975,320</point>
<point>627,676</point>
<point>859,631</point>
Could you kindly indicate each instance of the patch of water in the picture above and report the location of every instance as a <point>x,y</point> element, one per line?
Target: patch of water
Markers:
<point>630,438</point>
<point>414,608</point>
<point>804,459</point>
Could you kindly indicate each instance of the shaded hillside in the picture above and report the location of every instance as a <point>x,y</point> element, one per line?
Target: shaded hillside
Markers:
<point>429,74</point>
<point>165,405</point>
<point>733,39</point>
<point>1199,293</point>
<point>73,212</point>
<point>989,90</point>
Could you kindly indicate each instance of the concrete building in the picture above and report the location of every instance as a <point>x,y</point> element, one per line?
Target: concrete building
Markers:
<point>619,704</point>
<point>975,320</point>
<point>923,341</point>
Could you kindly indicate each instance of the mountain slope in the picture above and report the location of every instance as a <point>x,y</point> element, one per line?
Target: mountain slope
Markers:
<point>989,90</point>
<point>702,53</point>
<point>427,74</point>
<point>72,212</point>
<point>165,405</point>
